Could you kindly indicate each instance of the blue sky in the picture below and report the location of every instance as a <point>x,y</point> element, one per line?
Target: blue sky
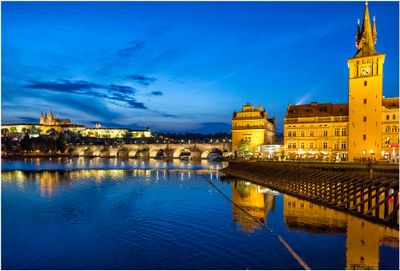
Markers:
<point>177,66</point>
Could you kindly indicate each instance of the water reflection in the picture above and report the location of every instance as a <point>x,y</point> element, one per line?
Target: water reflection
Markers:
<point>256,200</point>
<point>105,163</point>
<point>363,238</point>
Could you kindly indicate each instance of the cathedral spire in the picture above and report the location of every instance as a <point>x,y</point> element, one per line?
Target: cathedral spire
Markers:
<point>366,40</point>
<point>374,33</point>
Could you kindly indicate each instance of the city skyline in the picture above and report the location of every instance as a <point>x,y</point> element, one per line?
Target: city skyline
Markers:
<point>188,66</point>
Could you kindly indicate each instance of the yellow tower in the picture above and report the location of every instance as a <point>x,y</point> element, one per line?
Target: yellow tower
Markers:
<point>365,94</point>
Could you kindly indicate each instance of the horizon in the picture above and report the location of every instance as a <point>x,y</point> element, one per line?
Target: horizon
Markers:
<point>162,65</point>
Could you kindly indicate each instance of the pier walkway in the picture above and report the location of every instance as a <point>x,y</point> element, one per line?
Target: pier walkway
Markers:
<point>369,191</point>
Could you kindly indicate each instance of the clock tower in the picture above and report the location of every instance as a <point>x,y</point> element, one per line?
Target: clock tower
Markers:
<point>365,94</point>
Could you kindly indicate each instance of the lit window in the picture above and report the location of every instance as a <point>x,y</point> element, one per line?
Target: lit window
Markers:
<point>336,131</point>
<point>394,129</point>
<point>302,145</point>
<point>343,145</point>
<point>336,145</point>
<point>302,133</point>
<point>311,145</point>
<point>387,129</point>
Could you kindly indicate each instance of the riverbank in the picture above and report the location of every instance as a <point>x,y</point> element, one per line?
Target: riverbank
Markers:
<point>366,190</point>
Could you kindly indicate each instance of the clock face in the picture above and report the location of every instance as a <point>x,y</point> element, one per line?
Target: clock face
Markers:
<point>365,70</point>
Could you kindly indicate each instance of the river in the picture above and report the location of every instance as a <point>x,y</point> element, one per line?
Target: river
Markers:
<point>132,214</point>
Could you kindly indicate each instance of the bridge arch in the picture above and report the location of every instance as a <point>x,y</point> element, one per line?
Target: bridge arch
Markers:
<point>180,152</point>
<point>212,151</point>
<point>124,152</point>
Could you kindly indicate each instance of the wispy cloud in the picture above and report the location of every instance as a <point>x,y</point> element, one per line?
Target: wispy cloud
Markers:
<point>156,93</point>
<point>117,94</point>
<point>141,79</point>
<point>134,48</point>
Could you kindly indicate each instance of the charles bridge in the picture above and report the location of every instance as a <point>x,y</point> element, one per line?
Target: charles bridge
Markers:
<point>196,151</point>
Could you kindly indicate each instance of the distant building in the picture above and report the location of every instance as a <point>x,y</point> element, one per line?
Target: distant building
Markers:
<point>364,129</point>
<point>49,119</point>
<point>49,122</point>
<point>252,127</point>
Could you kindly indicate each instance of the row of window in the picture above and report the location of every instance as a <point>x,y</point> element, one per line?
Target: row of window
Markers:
<point>322,145</point>
<point>336,132</point>
<point>393,117</point>
<point>394,129</point>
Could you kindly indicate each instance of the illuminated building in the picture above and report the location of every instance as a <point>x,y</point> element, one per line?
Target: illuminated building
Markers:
<point>48,122</point>
<point>316,130</point>
<point>253,127</point>
<point>49,119</point>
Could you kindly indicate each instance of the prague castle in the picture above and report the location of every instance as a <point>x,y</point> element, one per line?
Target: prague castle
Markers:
<point>49,119</point>
<point>364,129</point>
<point>48,122</point>
<point>252,127</point>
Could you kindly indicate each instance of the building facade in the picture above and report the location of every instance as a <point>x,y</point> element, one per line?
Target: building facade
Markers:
<point>364,129</point>
<point>49,119</point>
<point>252,127</point>
<point>316,131</point>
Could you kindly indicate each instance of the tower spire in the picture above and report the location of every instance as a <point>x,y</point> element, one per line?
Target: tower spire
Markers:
<point>366,42</point>
<point>374,33</point>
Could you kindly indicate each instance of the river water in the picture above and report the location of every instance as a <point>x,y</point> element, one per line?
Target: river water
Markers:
<point>131,214</point>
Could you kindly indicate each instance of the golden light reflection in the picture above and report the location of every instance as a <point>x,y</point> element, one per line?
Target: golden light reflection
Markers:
<point>363,238</point>
<point>255,201</point>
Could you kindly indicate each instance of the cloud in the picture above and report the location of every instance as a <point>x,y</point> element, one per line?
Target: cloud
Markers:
<point>122,89</point>
<point>28,119</point>
<point>62,85</point>
<point>156,93</point>
<point>133,49</point>
<point>116,94</point>
<point>141,79</point>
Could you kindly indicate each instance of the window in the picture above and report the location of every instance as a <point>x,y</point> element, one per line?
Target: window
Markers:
<point>311,133</point>
<point>302,133</point>
<point>364,137</point>
<point>289,134</point>
<point>344,131</point>
<point>387,117</point>
<point>387,140</point>
<point>365,83</point>
<point>325,133</point>
<point>289,145</point>
<point>394,116</point>
<point>336,146</point>
<point>394,129</point>
<point>325,145</point>
<point>343,145</point>
<point>336,131</point>
<point>294,133</point>
<point>301,145</point>
<point>387,129</point>
<point>365,101</point>
<point>364,118</point>
<point>311,145</point>
<point>248,126</point>
<point>294,145</point>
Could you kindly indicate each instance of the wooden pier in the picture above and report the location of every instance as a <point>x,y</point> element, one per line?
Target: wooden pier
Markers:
<point>361,189</point>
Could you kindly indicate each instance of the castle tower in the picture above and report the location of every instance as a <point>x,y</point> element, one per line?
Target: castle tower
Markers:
<point>365,94</point>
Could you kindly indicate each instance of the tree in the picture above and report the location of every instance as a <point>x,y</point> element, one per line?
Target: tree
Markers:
<point>26,143</point>
<point>244,148</point>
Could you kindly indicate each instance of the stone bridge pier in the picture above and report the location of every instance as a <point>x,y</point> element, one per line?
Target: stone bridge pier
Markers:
<point>193,151</point>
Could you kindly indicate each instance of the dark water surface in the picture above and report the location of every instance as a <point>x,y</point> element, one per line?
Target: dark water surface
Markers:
<point>131,214</point>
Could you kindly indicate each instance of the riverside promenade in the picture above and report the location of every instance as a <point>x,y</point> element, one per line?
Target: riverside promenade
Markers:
<point>370,191</point>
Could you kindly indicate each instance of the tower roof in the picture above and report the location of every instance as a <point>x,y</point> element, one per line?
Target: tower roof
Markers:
<point>366,36</point>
